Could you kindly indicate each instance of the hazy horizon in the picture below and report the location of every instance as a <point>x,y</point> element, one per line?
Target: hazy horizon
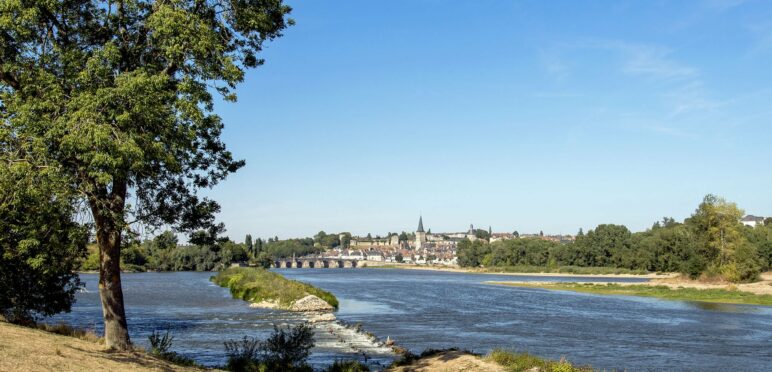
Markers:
<point>522,116</point>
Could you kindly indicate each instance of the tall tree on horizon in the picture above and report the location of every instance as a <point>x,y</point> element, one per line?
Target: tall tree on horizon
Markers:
<point>118,96</point>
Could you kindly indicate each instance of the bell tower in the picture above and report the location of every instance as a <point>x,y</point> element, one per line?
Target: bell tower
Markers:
<point>420,234</point>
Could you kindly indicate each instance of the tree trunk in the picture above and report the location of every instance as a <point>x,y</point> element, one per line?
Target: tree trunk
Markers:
<point>109,241</point>
<point>107,210</point>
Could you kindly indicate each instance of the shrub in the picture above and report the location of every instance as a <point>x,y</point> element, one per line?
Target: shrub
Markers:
<point>243,355</point>
<point>285,350</point>
<point>288,346</point>
<point>347,366</point>
<point>160,345</point>
<point>41,243</point>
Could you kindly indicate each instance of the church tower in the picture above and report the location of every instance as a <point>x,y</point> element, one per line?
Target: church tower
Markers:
<point>420,234</point>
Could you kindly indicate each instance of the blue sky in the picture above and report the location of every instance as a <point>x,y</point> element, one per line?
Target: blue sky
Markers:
<point>521,115</point>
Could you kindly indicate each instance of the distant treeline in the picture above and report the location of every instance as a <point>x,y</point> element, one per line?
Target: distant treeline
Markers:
<point>711,242</point>
<point>204,253</point>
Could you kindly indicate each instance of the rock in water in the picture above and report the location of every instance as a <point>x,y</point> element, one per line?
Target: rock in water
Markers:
<point>310,303</point>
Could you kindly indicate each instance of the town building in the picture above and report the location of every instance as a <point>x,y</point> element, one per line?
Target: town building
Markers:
<point>752,221</point>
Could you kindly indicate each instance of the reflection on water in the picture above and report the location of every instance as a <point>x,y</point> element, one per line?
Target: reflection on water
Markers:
<point>726,308</point>
<point>422,309</point>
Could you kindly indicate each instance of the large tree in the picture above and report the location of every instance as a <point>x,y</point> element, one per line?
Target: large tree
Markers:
<point>119,94</point>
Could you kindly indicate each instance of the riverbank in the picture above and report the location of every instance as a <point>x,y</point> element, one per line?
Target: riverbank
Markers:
<point>759,293</point>
<point>592,272</point>
<point>27,349</point>
<point>495,361</point>
<point>271,290</point>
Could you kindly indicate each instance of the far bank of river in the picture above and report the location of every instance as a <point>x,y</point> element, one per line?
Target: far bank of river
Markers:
<point>499,271</point>
<point>430,309</point>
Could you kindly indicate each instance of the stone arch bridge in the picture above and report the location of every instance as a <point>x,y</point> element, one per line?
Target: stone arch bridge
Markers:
<point>314,263</point>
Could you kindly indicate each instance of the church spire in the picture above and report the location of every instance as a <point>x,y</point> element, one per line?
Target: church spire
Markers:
<point>420,224</point>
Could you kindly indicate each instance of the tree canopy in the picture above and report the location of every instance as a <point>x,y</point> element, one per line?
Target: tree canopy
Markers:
<point>118,96</point>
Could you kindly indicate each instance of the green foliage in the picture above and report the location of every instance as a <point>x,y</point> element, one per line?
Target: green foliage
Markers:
<point>91,263</point>
<point>40,243</point>
<point>263,260</point>
<point>254,284</point>
<point>327,240</point>
<point>288,346</point>
<point>512,361</point>
<point>117,98</point>
<point>160,343</point>
<point>347,366</point>
<point>287,349</point>
<point>744,266</point>
<point>288,248</point>
<point>712,239</point>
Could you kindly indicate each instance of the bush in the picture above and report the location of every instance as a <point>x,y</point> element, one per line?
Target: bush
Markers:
<point>160,345</point>
<point>288,346</point>
<point>744,265</point>
<point>41,244</point>
<point>347,366</point>
<point>243,355</point>
<point>285,350</point>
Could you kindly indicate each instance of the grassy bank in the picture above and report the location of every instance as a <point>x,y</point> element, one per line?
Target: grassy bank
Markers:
<point>664,292</point>
<point>577,270</point>
<point>512,361</point>
<point>257,285</point>
<point>28,349</point>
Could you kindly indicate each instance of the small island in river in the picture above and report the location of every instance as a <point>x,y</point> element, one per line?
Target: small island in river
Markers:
<point>271,290</point>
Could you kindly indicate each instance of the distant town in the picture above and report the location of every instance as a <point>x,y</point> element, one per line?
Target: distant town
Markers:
<point>419,247</point>
<point>424,247</point>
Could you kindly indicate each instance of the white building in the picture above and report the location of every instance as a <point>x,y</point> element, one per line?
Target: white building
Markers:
<point>752,221</point>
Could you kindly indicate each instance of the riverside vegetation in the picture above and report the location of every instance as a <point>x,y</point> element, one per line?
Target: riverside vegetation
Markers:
<point>260,285</point>
<point>711,243</point>
<point>664,292</point>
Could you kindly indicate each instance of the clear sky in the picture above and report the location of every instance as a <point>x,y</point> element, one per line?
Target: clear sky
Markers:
<point>521,115</point>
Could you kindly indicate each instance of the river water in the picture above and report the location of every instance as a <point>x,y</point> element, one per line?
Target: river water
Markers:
<point>429,309</point>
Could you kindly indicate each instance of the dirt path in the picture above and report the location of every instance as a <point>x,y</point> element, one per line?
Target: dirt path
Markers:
<point>25,349</point>
<point>450,361</point>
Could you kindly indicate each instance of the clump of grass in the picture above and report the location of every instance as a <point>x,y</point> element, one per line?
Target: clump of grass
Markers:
<point>523,362</point>
<point>255,284</point>
<point>67,330</point>
<point>408,357</point>
<point>160,345</point>
<point>347,366</point>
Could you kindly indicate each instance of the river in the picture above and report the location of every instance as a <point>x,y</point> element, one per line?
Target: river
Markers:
<point>430,309</point>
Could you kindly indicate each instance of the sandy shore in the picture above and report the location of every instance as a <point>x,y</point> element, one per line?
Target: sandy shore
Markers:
<point>456,269</point>
<point>763,287</point>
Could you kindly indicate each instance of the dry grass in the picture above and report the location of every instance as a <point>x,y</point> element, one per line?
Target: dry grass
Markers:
<point>28,349</point>
<point>67,330</point>
<point>449,361</point>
